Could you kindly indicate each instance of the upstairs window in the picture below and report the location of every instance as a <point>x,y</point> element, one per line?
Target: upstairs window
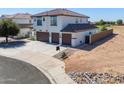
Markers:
<point>39,22</point>
<point>76,21</point>
<point>53,21</point>
<point>80,20</point>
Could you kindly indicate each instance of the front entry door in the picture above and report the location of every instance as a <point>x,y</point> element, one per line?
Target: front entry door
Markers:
<point>87,39</point>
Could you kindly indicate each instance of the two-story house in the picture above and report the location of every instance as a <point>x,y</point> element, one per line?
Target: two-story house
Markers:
<point>23,20</point>
<point>63,27</point>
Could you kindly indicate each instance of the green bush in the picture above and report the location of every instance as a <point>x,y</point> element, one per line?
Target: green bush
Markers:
<point>103,28</point>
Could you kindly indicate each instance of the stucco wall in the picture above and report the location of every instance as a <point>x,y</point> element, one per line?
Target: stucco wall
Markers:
<point>69,20</point>
<point>46,25</point>
<point>22,21</point>
<point>62,21</point>
<point>24,32</point>
<point>79,37</point>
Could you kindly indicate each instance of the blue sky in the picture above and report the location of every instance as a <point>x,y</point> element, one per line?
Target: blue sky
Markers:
<point>108,14</point>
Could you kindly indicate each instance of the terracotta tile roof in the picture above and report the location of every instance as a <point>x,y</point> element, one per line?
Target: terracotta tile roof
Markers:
<point>18,16</point>
<point>58,12</point>
<point>22,15</point>
<point>78,27</point>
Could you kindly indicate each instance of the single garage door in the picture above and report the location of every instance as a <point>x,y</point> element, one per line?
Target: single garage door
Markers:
<point>55,38</point>
<point>66,39</point>
<point>43,36</point>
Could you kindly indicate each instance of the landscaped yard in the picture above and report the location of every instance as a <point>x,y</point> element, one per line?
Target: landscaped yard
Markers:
<point>104,56</point>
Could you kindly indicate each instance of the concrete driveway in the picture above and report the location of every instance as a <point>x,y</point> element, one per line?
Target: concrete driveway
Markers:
<point>14,71</point>
<point>45,48</point>
<point>34,46</point>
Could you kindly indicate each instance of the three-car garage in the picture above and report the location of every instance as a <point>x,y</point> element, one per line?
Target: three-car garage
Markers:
<point>55,37</point>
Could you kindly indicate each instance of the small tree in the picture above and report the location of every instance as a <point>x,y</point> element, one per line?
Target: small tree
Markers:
<point>119,22</point>
<point>101,22</point>
<point>8,28</point>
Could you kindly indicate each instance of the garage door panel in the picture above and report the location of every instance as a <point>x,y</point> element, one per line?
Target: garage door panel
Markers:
<point>55,38</point>
<point>66,39</point>
<point>43,36</point>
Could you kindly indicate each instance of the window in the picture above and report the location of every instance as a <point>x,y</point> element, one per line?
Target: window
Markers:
<point>39,22</point>
<point>80,20</point>
<point>53,21</point>
<point>76,21</point>
<point>30,21</point>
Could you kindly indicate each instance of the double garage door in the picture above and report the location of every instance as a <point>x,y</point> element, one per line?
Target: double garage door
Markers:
<point>66,38</point>
<point>44,36</point>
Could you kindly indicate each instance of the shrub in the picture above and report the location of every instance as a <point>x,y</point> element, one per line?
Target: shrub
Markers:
<point>103,28</point>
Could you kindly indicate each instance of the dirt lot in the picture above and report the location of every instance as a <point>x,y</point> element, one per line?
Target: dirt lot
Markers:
<point>104,56</point>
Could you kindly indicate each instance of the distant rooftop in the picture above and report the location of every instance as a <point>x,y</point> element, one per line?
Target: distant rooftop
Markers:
<point>18,15</point>
<point>60,12</point>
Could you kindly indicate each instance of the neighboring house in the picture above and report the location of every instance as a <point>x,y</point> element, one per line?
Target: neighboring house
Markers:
<point>63,26</point>
<point>24,21</point>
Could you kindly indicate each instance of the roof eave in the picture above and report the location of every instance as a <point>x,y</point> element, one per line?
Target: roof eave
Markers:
<point>60,15</point>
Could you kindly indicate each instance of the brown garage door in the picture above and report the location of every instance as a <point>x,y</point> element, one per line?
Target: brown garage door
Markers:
<point>43,36</point>
<point>55,38</point>
<point>66,39</point>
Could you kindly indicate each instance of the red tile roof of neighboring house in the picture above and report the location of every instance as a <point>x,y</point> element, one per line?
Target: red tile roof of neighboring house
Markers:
<point>60,12</point>
<point>18,16</point>
<point>22,15</point>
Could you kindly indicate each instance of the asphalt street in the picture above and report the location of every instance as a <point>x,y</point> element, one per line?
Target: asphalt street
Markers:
<point>14,71</point>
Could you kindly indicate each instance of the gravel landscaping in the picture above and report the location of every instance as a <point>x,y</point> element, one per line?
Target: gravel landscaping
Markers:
<point>96,78</point>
